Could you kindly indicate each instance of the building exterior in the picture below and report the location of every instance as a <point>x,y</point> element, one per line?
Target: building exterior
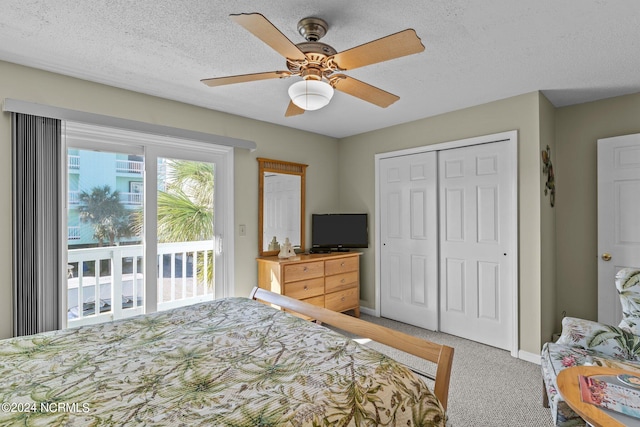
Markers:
<point>89,169</point>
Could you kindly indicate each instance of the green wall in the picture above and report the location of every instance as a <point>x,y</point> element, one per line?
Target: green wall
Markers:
<point>578,128</point>
<point>548,252</point>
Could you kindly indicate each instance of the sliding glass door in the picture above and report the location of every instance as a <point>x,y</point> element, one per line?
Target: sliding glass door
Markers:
<point>185,232</point>
<point>104,234</point>
<point>142,231</point>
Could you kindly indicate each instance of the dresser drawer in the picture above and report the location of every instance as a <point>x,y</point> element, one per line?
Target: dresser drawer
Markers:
<point>341,282</point>
<point>343,265</point>
<point>305,288</point>
<point>303,271</point>
<point>317,301</point>
<point>343,300</point>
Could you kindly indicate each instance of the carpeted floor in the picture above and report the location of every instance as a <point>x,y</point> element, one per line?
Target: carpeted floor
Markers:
<point>489,388</point>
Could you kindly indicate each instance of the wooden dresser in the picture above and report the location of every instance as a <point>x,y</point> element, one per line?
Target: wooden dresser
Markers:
<point>326,280</point>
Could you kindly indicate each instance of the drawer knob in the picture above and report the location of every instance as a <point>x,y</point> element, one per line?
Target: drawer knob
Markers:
<point>342,264</point>
<point>342,299</point>
<point>306,288</point>
<point>305,269</point>
<point>342,281</point>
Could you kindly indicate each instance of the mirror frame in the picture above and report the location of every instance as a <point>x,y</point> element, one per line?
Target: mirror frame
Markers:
<point>289,168</point>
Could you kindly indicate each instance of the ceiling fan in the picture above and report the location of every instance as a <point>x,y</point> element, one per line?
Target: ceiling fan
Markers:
<point>320,65</point>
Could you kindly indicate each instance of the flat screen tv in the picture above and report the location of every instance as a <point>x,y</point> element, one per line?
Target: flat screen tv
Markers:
<point>339,231</point>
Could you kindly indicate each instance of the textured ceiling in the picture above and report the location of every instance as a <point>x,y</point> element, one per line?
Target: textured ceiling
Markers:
<point>476,52</point>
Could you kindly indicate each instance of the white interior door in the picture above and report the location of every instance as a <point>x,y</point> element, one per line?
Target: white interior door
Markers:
<point>477,254</point>
<point>409,239</point>
<point>618,218</point>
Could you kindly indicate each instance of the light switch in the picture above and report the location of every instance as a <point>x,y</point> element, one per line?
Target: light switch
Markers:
<point>242,230</point>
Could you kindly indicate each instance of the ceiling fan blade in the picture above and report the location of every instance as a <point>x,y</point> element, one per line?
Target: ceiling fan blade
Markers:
<point>363,90</point>
<point>393,46</point>
<point>260,27</point>
<point>220,81</point>
<point>293,110</point>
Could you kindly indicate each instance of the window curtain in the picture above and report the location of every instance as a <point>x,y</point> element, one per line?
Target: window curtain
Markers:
<point>36,163</point>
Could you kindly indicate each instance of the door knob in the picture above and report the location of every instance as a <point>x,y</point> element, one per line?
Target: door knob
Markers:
<point>606,256</point>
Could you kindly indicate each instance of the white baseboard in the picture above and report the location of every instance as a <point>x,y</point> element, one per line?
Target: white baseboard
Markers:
<point>529,357</point>
<point>369,311</point>
<point>524,355</point>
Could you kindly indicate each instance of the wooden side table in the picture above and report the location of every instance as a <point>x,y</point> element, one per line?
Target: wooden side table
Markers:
<point>569,388</point>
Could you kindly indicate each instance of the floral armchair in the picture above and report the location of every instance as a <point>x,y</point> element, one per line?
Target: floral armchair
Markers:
<point>584,342</point>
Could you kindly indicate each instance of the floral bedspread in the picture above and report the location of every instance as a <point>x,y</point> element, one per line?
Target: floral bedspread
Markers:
<point>230,362</point>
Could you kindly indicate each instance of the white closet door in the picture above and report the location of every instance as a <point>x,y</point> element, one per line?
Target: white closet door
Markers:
<point>476,202</point>
<point>409,239</point>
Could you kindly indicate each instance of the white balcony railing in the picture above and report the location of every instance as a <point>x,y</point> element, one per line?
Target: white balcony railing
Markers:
<point>126,198</point>
<point>73,233</point>
<point>108,283</point>
<point>131,198</point>
<point>73,162</point>
<point>74,197</point>
<point>129,166</point>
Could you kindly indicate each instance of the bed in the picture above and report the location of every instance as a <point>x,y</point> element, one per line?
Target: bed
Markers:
<point>228,362</point>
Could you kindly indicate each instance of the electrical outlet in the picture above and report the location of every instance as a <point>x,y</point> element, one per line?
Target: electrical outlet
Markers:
<point>242,230</point>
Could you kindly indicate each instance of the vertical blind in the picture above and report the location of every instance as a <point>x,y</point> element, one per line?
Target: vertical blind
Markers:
<point>36,156</point>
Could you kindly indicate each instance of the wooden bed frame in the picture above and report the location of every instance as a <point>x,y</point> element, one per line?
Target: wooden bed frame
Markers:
<point>441,355</point>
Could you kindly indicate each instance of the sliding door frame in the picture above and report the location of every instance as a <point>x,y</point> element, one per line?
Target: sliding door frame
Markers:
<point>151,146</point>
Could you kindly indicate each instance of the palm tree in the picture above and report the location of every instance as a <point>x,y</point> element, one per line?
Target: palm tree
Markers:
<point>185,208</point>
<point>103,209</point>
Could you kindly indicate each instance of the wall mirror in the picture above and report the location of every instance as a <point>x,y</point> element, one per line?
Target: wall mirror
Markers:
<point>281,205</point>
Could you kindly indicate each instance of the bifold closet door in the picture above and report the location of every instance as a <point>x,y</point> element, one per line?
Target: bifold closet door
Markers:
<point>409,239</point>
<point>476,219</point>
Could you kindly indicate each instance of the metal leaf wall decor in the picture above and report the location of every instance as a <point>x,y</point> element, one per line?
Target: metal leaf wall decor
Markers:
<point>547,169</point>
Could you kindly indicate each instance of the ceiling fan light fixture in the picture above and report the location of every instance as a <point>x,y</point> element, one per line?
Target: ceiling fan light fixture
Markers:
<point>310,94</point>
